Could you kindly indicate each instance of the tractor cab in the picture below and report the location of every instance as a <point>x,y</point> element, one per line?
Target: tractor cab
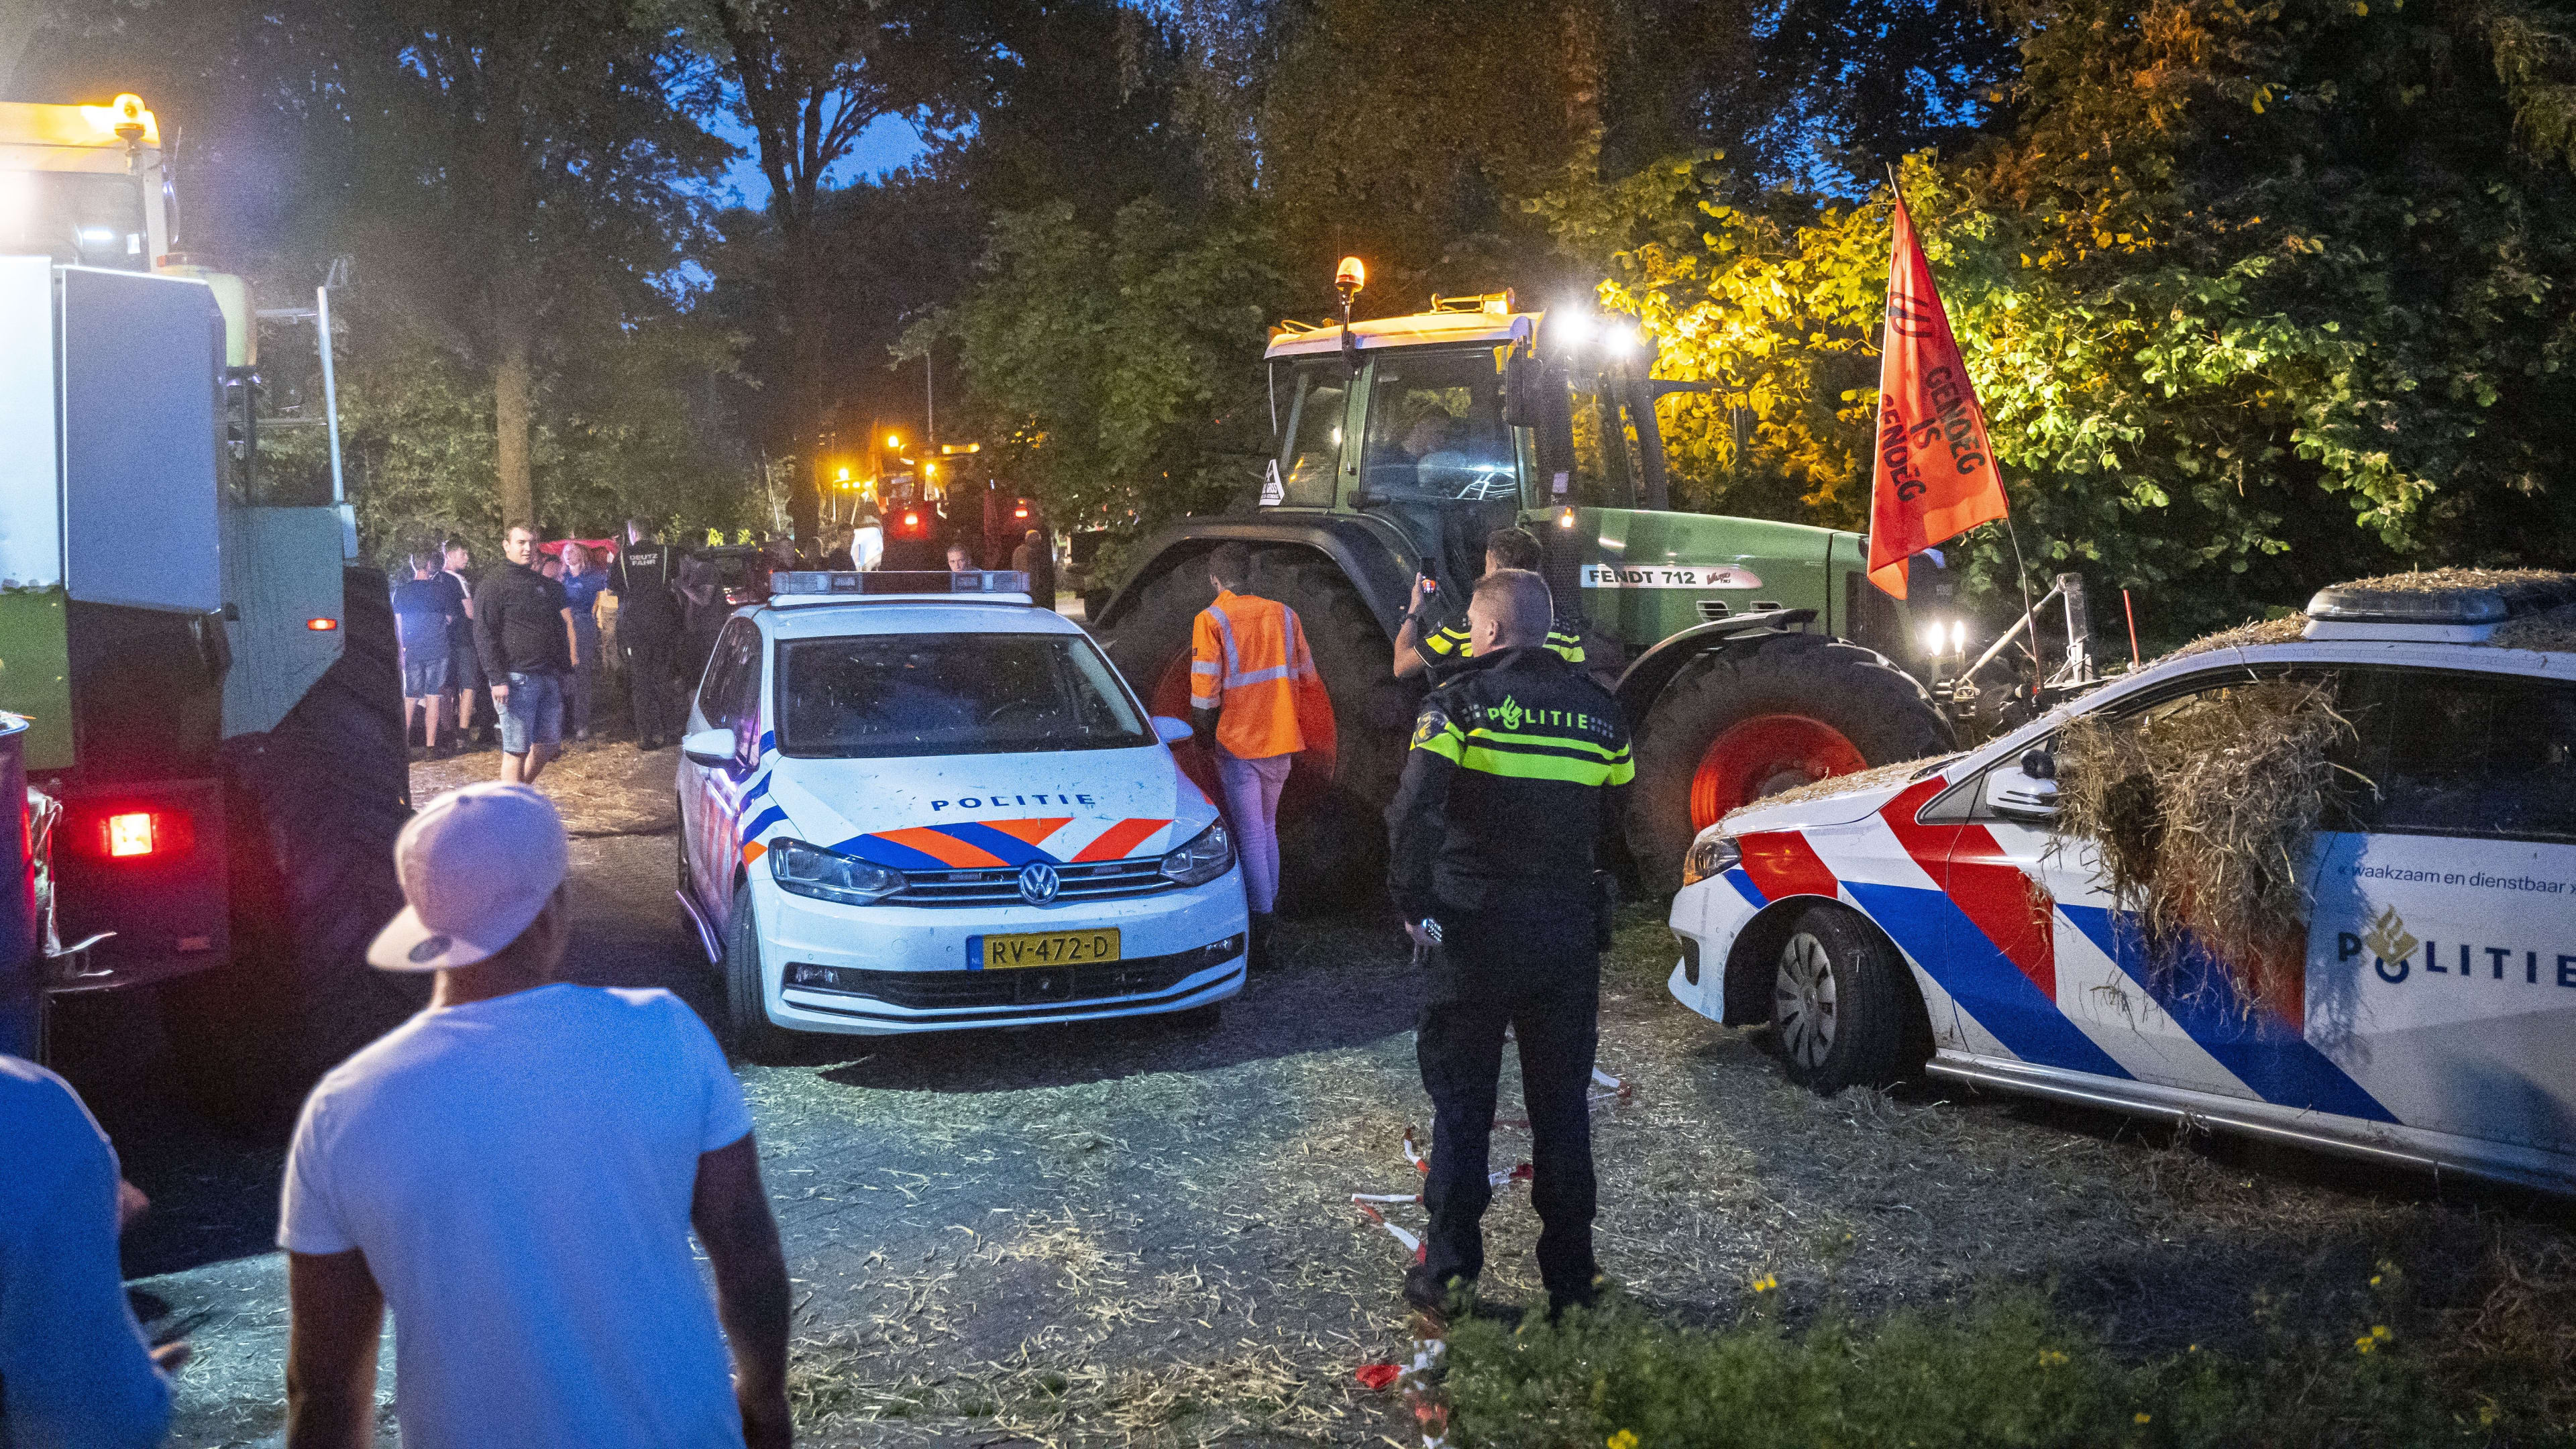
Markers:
<point>1461,420</point>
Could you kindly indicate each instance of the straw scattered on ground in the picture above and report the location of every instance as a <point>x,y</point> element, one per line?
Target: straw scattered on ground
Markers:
<point>602,788</point>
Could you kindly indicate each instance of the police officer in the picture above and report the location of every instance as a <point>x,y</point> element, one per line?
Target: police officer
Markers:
<point>1519,765</point>
<point>1421,644</point>
<point>648,627</point>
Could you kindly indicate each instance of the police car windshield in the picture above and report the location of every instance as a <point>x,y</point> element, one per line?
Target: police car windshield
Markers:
<point>881,696</point>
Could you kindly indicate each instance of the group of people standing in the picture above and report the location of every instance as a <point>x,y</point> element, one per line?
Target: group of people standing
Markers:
<point>524,642</point>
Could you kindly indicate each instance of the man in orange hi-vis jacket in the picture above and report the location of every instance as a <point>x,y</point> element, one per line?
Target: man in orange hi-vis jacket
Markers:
<point>1247,657</point>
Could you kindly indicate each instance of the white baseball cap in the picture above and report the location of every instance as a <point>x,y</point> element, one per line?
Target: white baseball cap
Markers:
<point>476,865</point>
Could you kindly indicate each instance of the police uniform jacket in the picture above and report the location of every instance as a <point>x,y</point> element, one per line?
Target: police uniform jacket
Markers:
<point>641,579</point>
<point>1519,763</point>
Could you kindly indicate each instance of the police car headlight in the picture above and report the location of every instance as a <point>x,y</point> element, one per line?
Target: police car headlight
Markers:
<point>1205,858</point>
<point>1710,855</point>
<point>807,870</point>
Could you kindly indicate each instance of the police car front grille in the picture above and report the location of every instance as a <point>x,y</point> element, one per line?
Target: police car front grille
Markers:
<point>1108,880</point>
<point>1024,986</point>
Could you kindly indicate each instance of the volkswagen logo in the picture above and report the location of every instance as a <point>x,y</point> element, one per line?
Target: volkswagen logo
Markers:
<point>1037,883</point>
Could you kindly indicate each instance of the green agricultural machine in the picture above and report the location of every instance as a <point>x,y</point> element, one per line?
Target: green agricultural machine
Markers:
<point>215,748</point>
<point>1751,656</point>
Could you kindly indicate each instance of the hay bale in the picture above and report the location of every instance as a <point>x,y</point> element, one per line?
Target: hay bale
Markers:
<point>2202,812</point>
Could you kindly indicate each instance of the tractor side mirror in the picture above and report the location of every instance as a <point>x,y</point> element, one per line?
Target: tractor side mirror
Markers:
<point>1523,375</point>
<point>1552,416</point>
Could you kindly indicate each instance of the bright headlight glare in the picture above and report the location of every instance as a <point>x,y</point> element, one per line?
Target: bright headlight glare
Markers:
<point>1710,855</point>
<point>1208,855</point>
<point>824,875</point>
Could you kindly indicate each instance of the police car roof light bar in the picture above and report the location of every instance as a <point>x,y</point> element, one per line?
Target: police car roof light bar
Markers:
<point>815,586</point>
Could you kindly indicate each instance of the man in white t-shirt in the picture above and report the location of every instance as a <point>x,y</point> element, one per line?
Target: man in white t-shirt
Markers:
<point>515,1171</point>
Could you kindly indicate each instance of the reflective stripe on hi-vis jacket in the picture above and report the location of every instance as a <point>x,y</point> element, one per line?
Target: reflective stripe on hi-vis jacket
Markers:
<point>1575,748</point>
<point>1449,643</point>
<point>1248,654</point>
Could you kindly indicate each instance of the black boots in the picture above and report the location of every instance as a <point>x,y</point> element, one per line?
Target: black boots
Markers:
<point>1261,922</point>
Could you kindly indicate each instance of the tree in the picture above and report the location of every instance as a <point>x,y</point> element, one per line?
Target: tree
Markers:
<point>2255,298</point>
<point>525,175</point>
<point>1111,364</point>
<point>808,77</point>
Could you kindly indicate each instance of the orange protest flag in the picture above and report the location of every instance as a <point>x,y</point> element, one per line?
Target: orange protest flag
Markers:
<point>1935,476</point>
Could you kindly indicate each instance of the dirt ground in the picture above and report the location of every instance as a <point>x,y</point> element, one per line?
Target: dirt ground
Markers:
<point>1114,1234</point>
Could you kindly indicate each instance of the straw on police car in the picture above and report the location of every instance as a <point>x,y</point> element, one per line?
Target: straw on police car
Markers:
<point>1936,918</point>
<point>917,802</point>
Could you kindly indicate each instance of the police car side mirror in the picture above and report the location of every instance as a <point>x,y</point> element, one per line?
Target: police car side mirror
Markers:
<point>2015,791</point>
<point>711,748</point>
<point>1169,730</point>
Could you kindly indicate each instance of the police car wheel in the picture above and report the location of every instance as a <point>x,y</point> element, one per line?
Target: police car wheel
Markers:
<point>754,1036</point>
<point>1838,1003</point>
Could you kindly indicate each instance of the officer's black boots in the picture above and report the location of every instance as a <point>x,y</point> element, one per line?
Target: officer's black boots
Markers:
<point>1261,923</point>
<point>1442,1298</point>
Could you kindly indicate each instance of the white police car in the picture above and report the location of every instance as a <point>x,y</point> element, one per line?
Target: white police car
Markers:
<point>916,802</point>
<point>1932,917</point>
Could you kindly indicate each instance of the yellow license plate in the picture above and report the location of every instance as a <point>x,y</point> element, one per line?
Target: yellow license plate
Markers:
<point>1050,948</point>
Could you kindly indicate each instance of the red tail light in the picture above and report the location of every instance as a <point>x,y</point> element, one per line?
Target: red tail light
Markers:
<point>141,834</point>
<point>912,520</point>
<point>1019,513</point>
<point>321,626</point>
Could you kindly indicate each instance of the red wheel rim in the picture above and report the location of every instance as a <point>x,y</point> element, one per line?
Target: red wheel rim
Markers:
<point>1307,779</point>
<point>1762,756</point>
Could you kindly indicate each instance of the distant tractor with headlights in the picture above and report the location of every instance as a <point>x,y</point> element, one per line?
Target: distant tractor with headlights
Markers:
<point>1751,656</point>
<point>215,738</point>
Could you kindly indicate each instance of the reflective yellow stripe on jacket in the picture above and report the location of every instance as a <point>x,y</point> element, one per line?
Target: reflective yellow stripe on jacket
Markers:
<point>1567,758</point>
<point>1451,641</point>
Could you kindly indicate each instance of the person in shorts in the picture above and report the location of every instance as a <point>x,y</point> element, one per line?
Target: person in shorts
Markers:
<point>465,665</point>
<point>422,620</point>
<point>523,628</point>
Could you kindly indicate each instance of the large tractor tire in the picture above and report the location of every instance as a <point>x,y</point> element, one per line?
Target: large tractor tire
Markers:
<point>1332,830</point>
<point>312,809</point>
<point>1769,715</point>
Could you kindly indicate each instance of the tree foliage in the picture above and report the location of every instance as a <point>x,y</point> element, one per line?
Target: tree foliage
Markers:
<point>2255,296</point>
<point>1108,363</point>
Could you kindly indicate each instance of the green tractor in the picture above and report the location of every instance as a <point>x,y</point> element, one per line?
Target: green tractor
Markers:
<point>1751,656</point>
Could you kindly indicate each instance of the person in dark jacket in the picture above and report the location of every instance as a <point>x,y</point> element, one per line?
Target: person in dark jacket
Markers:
<point>523,629</point>
<point>1519,766</point>
<point>465,666</point>
<point>648,626</point>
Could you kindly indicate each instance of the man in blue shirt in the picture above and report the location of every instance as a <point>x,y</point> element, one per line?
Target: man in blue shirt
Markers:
<point>583,582</point>
<point>425,619</point>
<point>74,1369</point>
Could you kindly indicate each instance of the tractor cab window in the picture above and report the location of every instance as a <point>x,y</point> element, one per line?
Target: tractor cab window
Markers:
<point>80,219</point>
<point>1605,446</point>
<point>1311,404</point>
<point>1435,431</point>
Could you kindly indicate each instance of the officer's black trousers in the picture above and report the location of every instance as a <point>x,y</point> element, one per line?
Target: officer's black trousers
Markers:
<point>1553,1008</point>
<point>648,684</point>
